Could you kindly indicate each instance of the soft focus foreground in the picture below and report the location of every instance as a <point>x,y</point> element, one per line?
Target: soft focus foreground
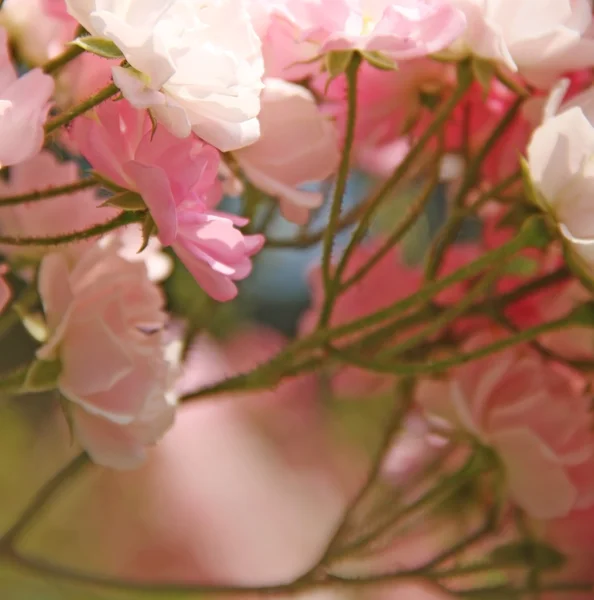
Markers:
<point>296,299</point>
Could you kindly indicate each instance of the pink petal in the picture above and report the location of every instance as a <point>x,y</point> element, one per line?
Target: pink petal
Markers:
<point>154,186</point>
<point>107,443</point>
<point>537,481</point>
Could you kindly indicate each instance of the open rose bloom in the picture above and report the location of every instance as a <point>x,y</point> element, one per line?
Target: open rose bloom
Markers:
<point>296,299</point>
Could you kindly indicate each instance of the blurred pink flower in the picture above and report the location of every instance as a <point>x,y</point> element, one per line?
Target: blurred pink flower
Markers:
<point>158,264</point>
<point>24,105</point>
<point>82,78</point>
<point>38,28</point>
<point>289,112</point>
<point>57,8</point>
<point>244,489</point>
<point>106,322</point>
<point>534,416</point>
<point>53,216</point>
<point>177,179</point>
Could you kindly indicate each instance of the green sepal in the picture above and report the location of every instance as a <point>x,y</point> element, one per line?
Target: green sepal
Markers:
<point>148,229</point>
<point>379,61</point>
<point>128,200</point>
<point>42,376</point>
<point>99,46</point>
<point>336,63</point>
<point>483,71</point>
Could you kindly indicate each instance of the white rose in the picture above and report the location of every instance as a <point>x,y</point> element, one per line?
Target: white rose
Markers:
<point>540,40</point>
<point>561,164</point>
<point>200,63</point>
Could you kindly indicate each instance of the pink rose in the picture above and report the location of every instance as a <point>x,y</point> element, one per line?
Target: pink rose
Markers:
<point>24,105</point>
<point>177,180</point>
<point>297,145</point>
<point>106,320</point>
<point>535,417</point>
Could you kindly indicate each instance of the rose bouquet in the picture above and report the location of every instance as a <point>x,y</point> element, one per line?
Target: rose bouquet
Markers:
<point>423,429</point>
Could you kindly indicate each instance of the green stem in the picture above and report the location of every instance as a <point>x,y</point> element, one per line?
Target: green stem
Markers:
<point>531,235</point>
<point>452,227</point>
<point>433,495</point>
<point>69,115</point>
<point>414,211</point>
<point>442,115</point>
<point>43,497</point>
<point>315,237</point>
<point>51,192</point>
<point>268,374</point>
<point>55,64</point>
<point>426,368</point>
<point>446,316</point>
<point>394,426</point>
<point>340,188</point>
<point>124,218</point>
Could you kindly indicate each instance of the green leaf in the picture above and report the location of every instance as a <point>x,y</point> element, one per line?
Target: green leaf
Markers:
<point>42,376</point>
<point>379,61</point>
<point>528,553</point>
<point>126,201</point>
<point>99,46</point>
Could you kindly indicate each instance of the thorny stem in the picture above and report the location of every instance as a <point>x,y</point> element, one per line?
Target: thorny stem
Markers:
<point>399,412</point>
<point>55,64</point>
<point>270,373</point>
<point>51,192</point>
<point>464,83</point>
<point>339,188</point>
<point>437,366</point>
<point>415,210</point>
<point>69,115</point>
<point>124,218</point>
<point>452,227</point>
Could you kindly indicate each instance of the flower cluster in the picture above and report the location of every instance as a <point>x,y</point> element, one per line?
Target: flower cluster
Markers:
<point>154,152</point>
